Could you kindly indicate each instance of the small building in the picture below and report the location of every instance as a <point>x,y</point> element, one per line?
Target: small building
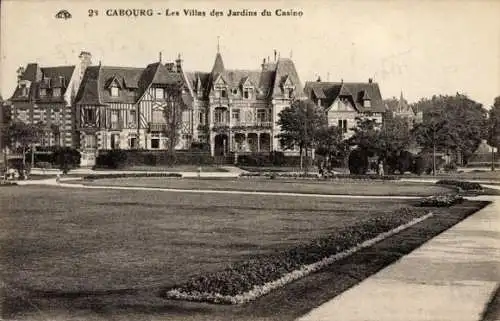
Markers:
<point>344,102</point>
<point>401,108</point>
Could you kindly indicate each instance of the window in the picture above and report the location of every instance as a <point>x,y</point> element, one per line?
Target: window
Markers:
<point>115,119</point>
<point>367,103</point>
<point>159,93</point>
<point>155,142</point>
<point>201,118</point>
<point>246,94</point>
<point>132,142</point>
<point>343,125</point>
<point>22,115</point>
<point>43,92</point>
<point>115,91</point>
<point>291,93</point>
<point>235,91</point>
<point>261,115</point>
<point>132,116</point>
<point>115,141</point>
<point>89,141</point>
<point>219,116</point>
<point>56,92</point>
<point>89,115</point>
<point>236,115</point>
<point>223,93</point>
<point>24,90</point>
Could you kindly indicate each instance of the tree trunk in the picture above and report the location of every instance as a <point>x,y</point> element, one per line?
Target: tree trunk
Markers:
<point>434,159</point>
<point>301,159</point>
<point>492,159</point>
<point>307,162</point>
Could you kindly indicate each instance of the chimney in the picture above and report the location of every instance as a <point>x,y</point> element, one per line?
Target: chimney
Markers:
<point>85,61</point>
<point>370,80</point>
<point>275,54</point>
<point>20,72</point>
<point>264,66</point>
<point>159,56</point>
<point>178,63</point>
<point>319,79</point>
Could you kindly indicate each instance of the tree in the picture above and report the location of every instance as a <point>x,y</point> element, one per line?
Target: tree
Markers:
<point>23,136</point>
<point>366,135</point>
<point>330,143</point>
<point>300,126</point>
<point>451,124</point>
<point>493,126</point>
<point>172,112</point>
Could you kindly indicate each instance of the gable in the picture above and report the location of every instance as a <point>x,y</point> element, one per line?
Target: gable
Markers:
<point>341,105</point>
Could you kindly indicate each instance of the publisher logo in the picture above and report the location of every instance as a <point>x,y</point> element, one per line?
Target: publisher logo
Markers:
<point>63,14</point>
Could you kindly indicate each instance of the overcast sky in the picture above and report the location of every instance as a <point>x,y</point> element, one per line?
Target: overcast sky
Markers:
<point>419,47</point>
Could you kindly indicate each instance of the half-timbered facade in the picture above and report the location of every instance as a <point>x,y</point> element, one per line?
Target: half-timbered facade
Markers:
<point>133,108</point>
<point>237,110</point>
<point>345,102</point>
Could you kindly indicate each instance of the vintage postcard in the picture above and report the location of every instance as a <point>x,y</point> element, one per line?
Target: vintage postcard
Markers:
<point>249,160</point>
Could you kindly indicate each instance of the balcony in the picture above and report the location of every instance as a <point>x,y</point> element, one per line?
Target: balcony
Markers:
<point>220,126</point>
<point>252,124</point>
<point>157,127</point>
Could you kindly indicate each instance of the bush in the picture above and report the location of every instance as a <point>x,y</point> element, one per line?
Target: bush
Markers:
<point>358,162</point>
<point>112,159</point>
<point>451,167</point>
<point>466,186</point>
<point>66,158</point>
<point>441,201</point>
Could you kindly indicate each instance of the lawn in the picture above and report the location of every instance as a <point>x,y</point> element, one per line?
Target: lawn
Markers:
<point>94,254</point>
<point>341,187</point>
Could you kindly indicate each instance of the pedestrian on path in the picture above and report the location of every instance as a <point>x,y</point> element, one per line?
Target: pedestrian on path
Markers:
<point>381,168</point>
<point>58,178</point>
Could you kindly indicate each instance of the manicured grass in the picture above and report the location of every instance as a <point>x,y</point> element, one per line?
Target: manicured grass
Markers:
<point>78,254</point>
<point>178,168</point>
<point>284,185</point>
<point>66,242</point>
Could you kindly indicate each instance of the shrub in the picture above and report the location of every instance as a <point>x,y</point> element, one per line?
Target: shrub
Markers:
<point>441,201</point>
<point>358,162</point>
<point>464,185</point>
<point>450,167</point>
<point>112,159</point>
<point>66,158</point>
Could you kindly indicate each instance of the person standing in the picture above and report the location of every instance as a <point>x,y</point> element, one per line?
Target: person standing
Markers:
<point>381,168</point>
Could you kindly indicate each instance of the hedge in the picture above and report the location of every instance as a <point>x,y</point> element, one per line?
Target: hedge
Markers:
<point>243,277</point>
<point>130,175</point>
<point>121,158</point>
<point>441,201</point>
<point>464,185</point>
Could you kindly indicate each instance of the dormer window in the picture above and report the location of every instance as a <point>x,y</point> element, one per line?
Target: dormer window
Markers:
<point>247,93</point>
<point>291,93</point>
<point>43,92</point>
<point>24,91</point>
<point>235,91</point>
<point>56,92</point>
<point>223,93</point>
<point>367,103</point>
<point>115,91</point>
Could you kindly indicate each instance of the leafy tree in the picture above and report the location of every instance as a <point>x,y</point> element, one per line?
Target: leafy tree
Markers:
<point>173,109</point>
<point>452,124</point>
<point>300,125</point>
<point>330,143</point>
<point>23,136</point>
<point>494,127</point>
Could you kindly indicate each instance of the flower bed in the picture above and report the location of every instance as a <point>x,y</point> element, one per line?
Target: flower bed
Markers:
<point>318,176</point>
<point>364,177</point>
<point>255,277</point>
<point>464,185</point>
<point>441,200</point>
<point>280,175</point>
<point>129,175</point>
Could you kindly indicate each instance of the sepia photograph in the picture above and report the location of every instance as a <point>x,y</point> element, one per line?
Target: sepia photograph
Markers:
<point>250,160</point>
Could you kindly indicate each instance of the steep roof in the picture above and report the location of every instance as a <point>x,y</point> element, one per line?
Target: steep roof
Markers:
<point>133,82</point>
<point>354,92</point>
<point>44,77</point>
<point>285,68</point>
<point>218,65</point>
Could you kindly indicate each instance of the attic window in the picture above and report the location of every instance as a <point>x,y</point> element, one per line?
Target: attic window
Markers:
<point>115,91</point>
<point>246,93</point>
<point>24,90</point>
<point>291,93</point>
<point>235,91</point>
<point>159,93</point>
<point>223,93</point>
<point>56,92</point>
<point>43,92</point>
<point>367,103</point>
